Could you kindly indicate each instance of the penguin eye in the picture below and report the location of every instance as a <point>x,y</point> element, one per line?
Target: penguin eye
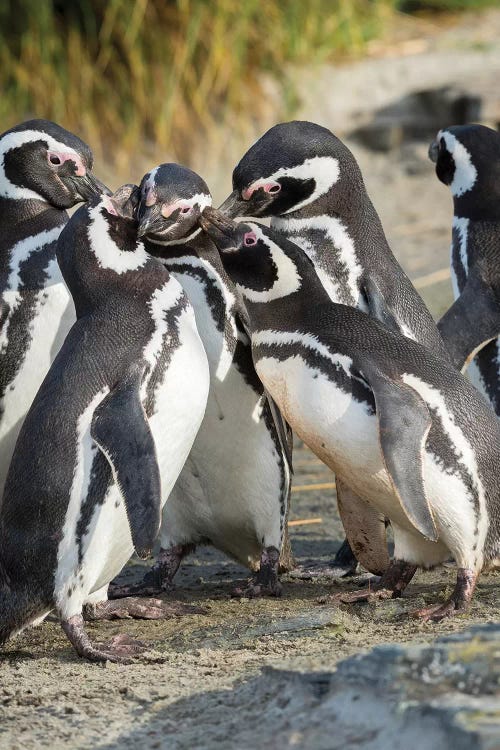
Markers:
<point>186,210</point>
<point>273,189</point>
<point>250,239</point>
<point>54,159</point>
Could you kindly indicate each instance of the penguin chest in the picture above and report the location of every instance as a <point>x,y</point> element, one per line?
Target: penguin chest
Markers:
<point>29,341</point>
<point>231,488</point>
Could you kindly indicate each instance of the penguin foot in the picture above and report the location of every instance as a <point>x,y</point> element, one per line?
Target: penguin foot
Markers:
<point>159,579</point>
<point>266,581</point>
<point>138,608</point>
<point>120,649</point>
<point>457,604</point>
<point>389,586</point>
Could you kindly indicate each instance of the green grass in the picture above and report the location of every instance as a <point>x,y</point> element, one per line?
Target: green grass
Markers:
<point>166,70</point>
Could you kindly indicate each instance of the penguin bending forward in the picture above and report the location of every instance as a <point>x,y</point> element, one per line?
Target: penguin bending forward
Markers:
<point>44,170</point>
<point>107,434</point>
<point>233,491</point>
<point>467,159</point>
<point>405,430</point>
<point>309,183</point>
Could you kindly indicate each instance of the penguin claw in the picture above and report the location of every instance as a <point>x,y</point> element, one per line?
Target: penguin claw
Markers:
<point>139,608</point>
<point>439,612</point>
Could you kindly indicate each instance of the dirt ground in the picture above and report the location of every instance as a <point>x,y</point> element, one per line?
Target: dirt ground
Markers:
<point>203,675</point>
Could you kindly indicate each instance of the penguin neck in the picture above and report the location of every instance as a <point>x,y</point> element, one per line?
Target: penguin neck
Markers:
<point>288,311</point>
<point>478,205</point>
<point>200,247</point>
<point>347,203</point>
<point>21,218</point>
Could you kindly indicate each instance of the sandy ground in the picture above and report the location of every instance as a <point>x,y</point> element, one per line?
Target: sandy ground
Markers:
<point>204,675</point>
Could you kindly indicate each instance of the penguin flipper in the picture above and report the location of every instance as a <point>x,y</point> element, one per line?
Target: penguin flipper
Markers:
<point>404,422</point>
<point>472,321</point>
<point>121,431</point>
<point>379,308</point>
<point>365,529</point>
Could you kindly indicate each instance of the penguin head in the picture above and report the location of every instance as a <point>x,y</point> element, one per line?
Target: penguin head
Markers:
<point>467,159</point>
<point>172,198</point>
<point>261,269</point>
<point>292,166</point>
<point>42,161</point>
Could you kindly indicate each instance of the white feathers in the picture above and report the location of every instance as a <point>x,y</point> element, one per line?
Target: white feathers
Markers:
<point>288,281</point>
<point>465,172</point>
<point>343,247</point>
<point>106,251</point>
<point>461,226</point>
<point>161,301</point>
<point>324,170</point>
<point>15,140</point>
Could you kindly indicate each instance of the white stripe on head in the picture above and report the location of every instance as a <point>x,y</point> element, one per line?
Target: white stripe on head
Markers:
<point>324,170</point>
<point>465,175</point>
<point>20,138</point>
<point>288,280</point>
<point>106,251</point>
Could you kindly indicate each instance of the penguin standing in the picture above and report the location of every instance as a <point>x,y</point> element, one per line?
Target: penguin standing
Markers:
<point>44,170</point>
<point>404,429</point>
<point>233,491</point>
<point>107,434</point>
<point>308,182</point>
<point>467,159</point>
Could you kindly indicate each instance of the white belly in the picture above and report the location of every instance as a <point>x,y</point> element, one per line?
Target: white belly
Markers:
<point>344,435</point>
<point>55,314</point>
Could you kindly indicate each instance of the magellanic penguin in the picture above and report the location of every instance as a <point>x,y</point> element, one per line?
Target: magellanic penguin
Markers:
<point>44,170</point>
<point>233,491</point>
<point>309,183</point>
<point>107,435</point>
<point>404,429</point>
<point>467,159</point>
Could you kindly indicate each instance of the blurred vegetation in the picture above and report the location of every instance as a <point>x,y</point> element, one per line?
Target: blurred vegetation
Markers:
<point>164,70</point>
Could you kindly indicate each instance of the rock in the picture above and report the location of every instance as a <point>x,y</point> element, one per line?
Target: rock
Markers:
<point>444,695</point>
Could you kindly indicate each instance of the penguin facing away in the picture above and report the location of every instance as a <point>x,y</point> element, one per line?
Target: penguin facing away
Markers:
<point>467,159</point>
<point>309,183</point>
<point>233,491</point>
<point>405,430</point>
<point>107,434</point>
<point>44,170</point>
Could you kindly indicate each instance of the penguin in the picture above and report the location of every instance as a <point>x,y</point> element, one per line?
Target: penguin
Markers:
<point>233,491</point>
<point>44,170</point>
<point>400,425</point>
<point>106,436</point>
<point>467,159</point>
<point>309,183</point>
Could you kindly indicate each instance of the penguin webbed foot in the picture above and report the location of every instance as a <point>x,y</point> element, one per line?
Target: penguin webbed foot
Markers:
<point>389,586</point>
<point>138,608</point>
<point>458,602</point>
<point>266,581</point>
<point>119,650</point>
<point>159,579</point>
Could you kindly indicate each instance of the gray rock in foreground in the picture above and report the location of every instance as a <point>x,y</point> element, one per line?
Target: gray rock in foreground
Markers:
<point>439,696</point>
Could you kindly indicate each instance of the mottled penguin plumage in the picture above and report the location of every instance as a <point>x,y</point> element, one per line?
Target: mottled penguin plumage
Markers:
<point>108,431</point>
<point>44,170</point>
<point>467,159</point>
<point>398,424</point>
<point>234,488</point>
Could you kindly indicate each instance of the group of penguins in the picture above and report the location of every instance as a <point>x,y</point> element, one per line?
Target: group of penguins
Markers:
<point>156,354</point>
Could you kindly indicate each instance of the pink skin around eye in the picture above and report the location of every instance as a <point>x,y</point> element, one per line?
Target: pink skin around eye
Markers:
<point>168,208</point>
<point>250,239</point>
<point>109,205</point>
<point>269,186</point>
<point>57,158</point>
<point>151,196</point>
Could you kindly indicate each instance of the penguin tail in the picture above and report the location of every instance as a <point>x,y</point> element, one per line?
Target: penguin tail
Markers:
<point>17,611</point>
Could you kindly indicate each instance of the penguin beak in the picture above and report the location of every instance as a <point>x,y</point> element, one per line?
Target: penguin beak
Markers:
<point>234,206</point>
<point>434,151</point>
<point>151,220</point>
<point>219,228</point>
<point>89,187</point>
